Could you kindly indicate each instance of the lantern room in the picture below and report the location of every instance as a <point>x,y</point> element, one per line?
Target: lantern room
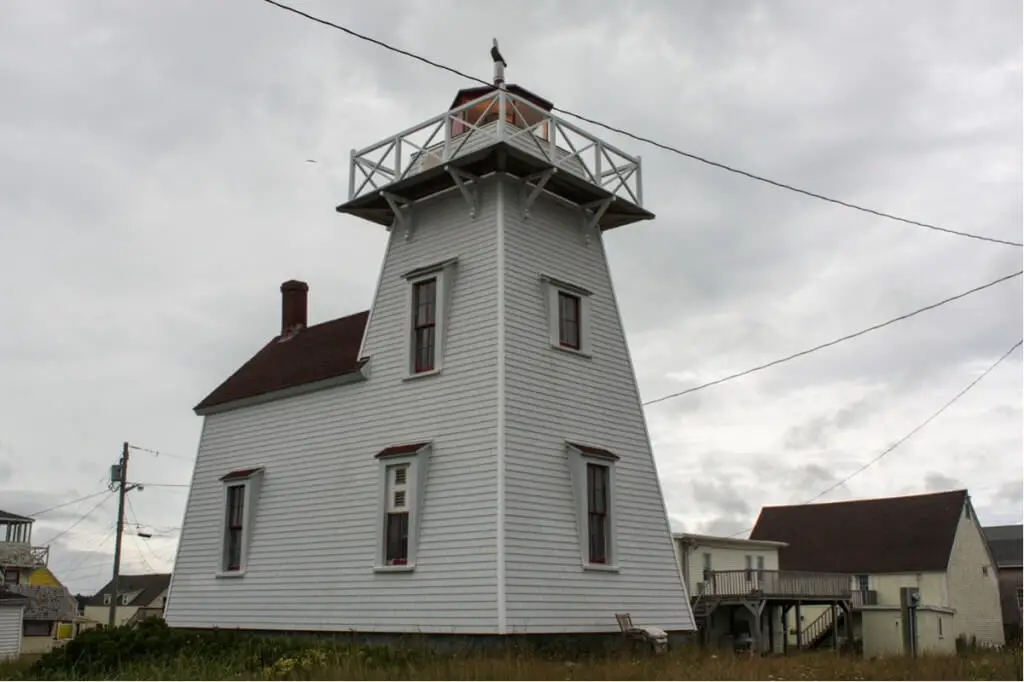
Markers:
<point>487,110</point>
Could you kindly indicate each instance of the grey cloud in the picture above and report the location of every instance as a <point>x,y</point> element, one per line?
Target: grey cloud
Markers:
<point>935,482</point>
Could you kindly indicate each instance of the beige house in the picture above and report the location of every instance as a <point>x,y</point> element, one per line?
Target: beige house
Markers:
<point>739,595</point>
<point>932,542</point>
<point>139,596</point>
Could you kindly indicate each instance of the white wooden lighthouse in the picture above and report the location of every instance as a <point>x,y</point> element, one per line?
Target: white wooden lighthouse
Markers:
<point>470,455</point>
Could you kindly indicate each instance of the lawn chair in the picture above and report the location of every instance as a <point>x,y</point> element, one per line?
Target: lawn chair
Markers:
<point>651,636</point>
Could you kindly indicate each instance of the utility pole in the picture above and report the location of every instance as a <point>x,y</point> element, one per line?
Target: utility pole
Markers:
<point>118,477</point>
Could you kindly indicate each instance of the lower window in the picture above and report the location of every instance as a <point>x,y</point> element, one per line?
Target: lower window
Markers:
<point>37,628</point>
<point>597,512</point>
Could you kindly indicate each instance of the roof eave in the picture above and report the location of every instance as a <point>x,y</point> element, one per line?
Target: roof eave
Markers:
<point>205,409</point>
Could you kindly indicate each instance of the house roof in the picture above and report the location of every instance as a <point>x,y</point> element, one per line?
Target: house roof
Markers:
<point>886,535</point>
<point>722,541</point>
<point>149,586</point>
<point>323,351</point>
<point>8,516</point>
<point>1006,543</point>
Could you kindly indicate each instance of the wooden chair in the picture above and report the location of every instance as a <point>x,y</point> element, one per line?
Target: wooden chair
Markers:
<point>654,637</point>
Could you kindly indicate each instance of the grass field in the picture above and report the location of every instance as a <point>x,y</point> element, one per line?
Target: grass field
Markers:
<point>160,654</point>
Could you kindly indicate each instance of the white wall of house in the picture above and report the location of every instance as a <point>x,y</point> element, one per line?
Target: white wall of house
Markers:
<point>10,630</point>
<point>881,629</point>
<point>726,554</point>
<point>973,581</point>
<point>317,513</point>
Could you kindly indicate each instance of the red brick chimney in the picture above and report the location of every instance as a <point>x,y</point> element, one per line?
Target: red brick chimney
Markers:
<point>293,306</point>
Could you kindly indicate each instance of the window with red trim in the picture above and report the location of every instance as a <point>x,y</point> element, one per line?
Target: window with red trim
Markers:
<point>424,297</point>
<point>569,320</point>
<point>233,531</point>
<point>597,512</point>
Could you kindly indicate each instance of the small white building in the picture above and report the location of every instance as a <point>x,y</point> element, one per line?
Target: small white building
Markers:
<point>470,455</point>
<point>12,614</point>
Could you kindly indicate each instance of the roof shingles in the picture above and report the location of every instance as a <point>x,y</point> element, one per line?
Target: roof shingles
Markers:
<point>324,351</point>
<point>888,535</point>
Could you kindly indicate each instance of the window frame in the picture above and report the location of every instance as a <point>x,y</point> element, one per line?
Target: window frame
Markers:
<point>415,458</point>
<point>9,572</point>
<point>443,274</point>
<point>554,290</point>
<point>34,621</point>
<point>579,459</point>
<point>251,482</point>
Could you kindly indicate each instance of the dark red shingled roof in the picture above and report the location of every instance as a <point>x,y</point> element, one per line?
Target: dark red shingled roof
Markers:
<point>888,535</point>
<point>323,351</point>
<point>394,450</point>
<point>591,450</point>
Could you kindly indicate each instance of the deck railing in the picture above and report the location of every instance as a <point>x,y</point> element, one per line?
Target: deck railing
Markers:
<point>865,598</point>
<point>21,555</point>
<point>498,116</point>
<point>765,583</point>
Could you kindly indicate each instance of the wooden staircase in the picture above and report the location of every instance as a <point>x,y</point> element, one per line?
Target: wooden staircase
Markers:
<point>818,630</point>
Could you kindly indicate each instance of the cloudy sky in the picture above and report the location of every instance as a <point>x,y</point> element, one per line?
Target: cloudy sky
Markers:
<point>154,194</point>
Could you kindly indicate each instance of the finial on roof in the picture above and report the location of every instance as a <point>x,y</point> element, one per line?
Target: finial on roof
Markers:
<point>499,64</point>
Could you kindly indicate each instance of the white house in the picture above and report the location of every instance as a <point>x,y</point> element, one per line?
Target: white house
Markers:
<point>932,542</point>
<point>470,455</point>
<point>12,613</point>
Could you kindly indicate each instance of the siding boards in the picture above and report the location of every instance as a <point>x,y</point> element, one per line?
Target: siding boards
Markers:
<point>315,533</point>
<point>554,396</point>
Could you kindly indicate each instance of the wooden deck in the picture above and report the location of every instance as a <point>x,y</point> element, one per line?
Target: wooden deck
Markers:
<point>778,585</point>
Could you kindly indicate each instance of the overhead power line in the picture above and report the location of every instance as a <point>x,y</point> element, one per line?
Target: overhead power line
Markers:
<point>911,433</point>
<point>68,504</point>
<point>83,517</point>
<point>835,341</point>
<point>161,453</point>
<point>647,140</point>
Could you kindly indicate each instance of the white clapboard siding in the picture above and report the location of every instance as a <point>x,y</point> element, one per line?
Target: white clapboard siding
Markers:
<point>314,538</point>
<point>553,396</point>
<point>10,631</point>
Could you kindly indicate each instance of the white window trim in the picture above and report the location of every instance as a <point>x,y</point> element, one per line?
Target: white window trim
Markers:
<point>552,287</point>
<point>418,463</point>
<point>252,482</point>
<point>106,599</point>
<point>578,461</point>
<point>444,271</point>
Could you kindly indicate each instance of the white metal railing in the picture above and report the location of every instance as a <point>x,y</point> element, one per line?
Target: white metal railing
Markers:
<point>17,554</point>
<point>498,116</point>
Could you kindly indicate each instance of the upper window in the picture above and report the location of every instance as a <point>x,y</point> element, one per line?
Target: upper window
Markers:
<point>568,315</point>
<point>12,576</point>
<point>593,476</point>
<point>749,568</point>
<point>37,628</point>
<point>863,582</point>
<point>106,599</point>
<point>403,477</point>
<point>428,316</point>
<point>424,296</point>
<point>568,320</point>
<point>241,491</point>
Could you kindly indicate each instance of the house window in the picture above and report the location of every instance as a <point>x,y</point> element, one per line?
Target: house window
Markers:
<point>396,533</point>
<point>12,576</point>
<point>37,628</point>
<point>235,524</point>
<point>707,566</point>
<point>424,295</point>
<point>597,512</point>
<point>241,491</point>
<point>106,600</point>
<point>760,568</point>
<point>569,317</point>
<point>592,473</point>
<point>403,478</point>
<point>749,560</point>
<point>984,570</point>
<point>940,626</point>
<point>863,583</point>
<point>568,320</point>
<point>429,289</point>
<point>125,598</point>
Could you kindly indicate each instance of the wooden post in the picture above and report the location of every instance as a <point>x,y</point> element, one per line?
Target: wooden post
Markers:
<point>799,628</point>
<point>835,626</point>
<point>771,628</point>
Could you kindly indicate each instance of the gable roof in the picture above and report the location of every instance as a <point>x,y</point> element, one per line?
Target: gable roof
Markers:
<point>1006,543</point>
<point>323,351</point>
<point>149,586</point>
<point>885,535</point>
<point>8,516</point>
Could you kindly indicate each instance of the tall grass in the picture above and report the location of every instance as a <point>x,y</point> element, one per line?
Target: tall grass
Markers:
<point>169,656</point>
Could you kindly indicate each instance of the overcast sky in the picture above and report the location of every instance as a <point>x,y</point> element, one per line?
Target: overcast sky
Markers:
<point>154,194</point>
